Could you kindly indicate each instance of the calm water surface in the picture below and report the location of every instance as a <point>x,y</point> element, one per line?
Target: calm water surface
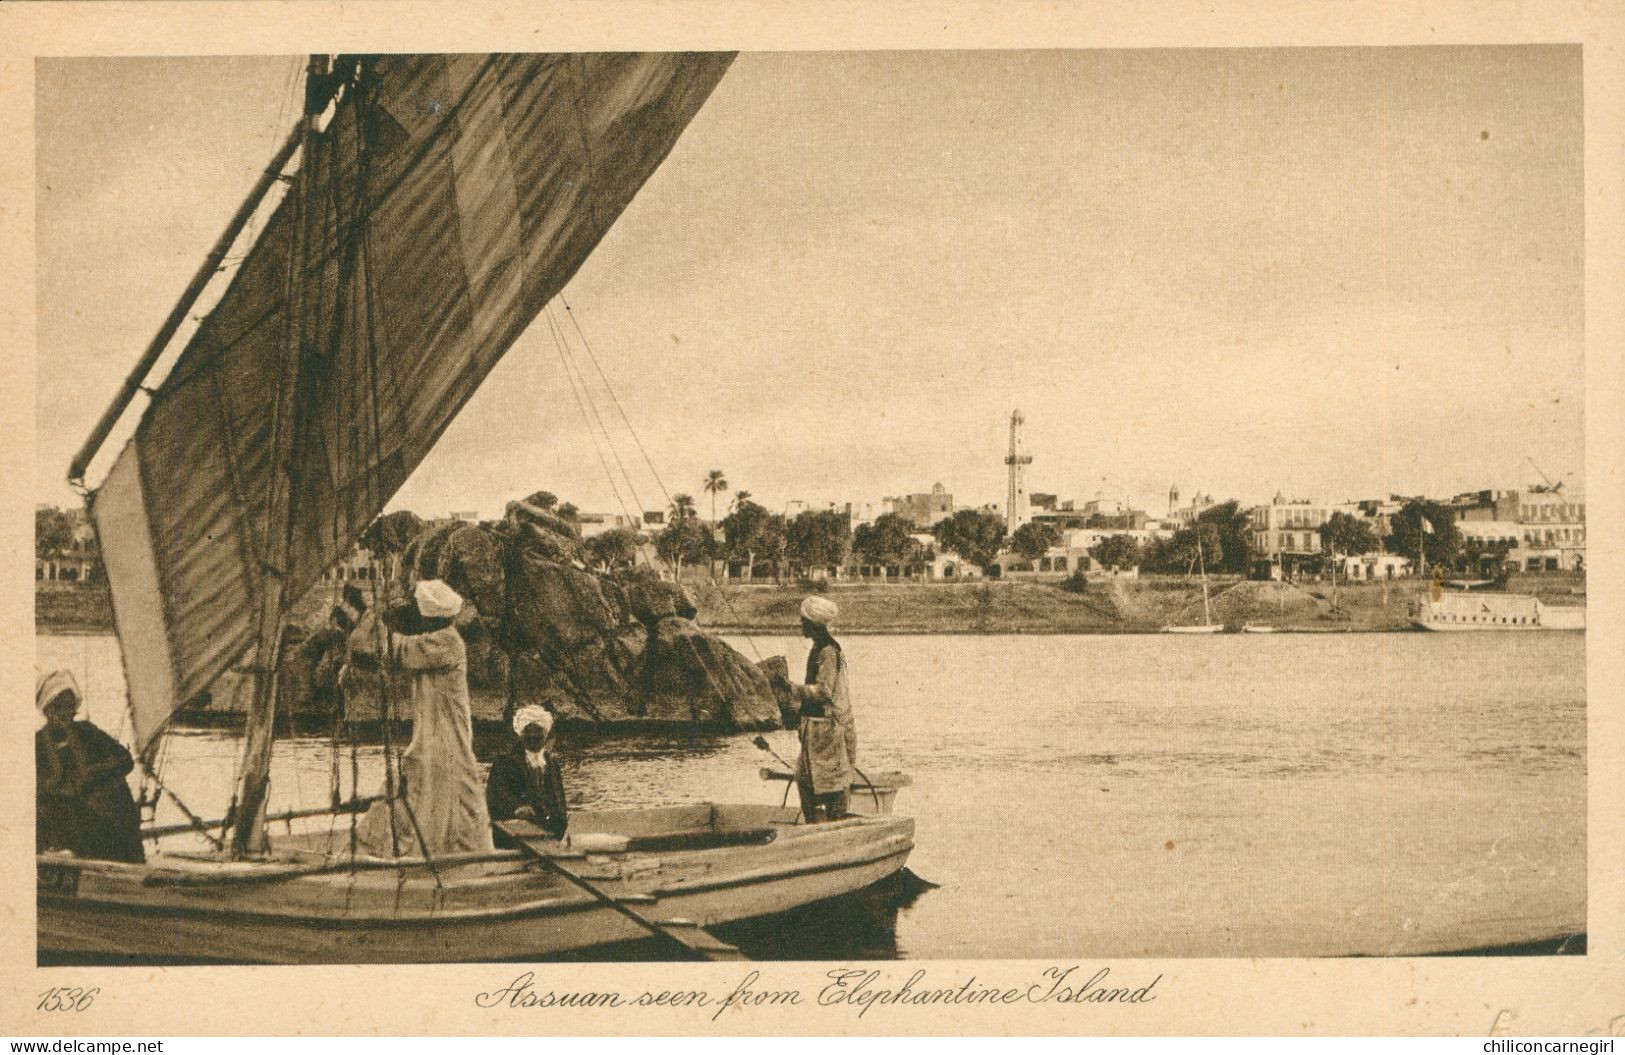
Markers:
<point>1130,795</point>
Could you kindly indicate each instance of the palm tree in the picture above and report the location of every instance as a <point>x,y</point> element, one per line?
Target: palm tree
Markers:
<point>682,507</point>
<point>740,498</point>
<point>715,484</point>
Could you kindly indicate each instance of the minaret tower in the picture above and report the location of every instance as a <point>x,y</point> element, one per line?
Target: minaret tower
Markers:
<point>1015,509</point>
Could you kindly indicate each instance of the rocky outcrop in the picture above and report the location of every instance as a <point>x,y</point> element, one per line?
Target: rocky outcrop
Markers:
<point>541,628</point>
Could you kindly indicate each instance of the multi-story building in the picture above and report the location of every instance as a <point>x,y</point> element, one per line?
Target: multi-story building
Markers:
<point>1543,527</point>
<point>921,510</point>
<point>858,512</point>
<point>1111,515</point>
<point>1286,534</point>
<point>1553,530</point>
<point>1185,516</point>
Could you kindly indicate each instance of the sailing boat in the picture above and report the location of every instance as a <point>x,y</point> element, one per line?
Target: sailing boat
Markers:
<point>440,202</point>
<point>1207,626</point>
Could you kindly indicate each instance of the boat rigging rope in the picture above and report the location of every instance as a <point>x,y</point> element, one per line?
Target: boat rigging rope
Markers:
<point>587,346</point>
<point>581,399</point>
<point>191,818</point>
<point>627,421</point>
<point>582,392</point>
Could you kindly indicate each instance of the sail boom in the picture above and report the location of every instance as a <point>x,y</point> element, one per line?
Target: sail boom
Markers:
<point>172,322</point>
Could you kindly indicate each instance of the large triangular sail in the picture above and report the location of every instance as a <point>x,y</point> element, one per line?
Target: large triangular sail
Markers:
<point>447,200</point>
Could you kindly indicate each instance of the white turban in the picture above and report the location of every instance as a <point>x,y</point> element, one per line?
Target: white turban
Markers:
<point>436,600</point>
<point>55,684</point>
<point>532,715</point>
<point>819,610</point>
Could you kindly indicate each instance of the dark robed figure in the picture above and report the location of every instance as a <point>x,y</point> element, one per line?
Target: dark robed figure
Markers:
<point>83,803</point>
<point>526,782</point>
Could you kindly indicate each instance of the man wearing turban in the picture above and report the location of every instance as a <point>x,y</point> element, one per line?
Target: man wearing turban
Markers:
<point>83,804</point>
<point>438,806</point>
<point>822,711</point>
<point>526,782</point>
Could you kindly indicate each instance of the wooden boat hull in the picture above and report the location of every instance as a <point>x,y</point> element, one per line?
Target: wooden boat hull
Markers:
<point>485,907</point>
<point>1446,628</point>
<point>1215,628</point>
<point>1493,612</point>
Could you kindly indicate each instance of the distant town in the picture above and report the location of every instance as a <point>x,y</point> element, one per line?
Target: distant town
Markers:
<point>1033,535</point>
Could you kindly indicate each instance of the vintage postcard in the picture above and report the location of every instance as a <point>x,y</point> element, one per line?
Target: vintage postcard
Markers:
<point>717,519</point>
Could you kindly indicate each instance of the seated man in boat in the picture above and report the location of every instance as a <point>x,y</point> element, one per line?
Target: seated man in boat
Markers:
<point>437,806</point>
<point>526,782</point>
<point>83,803</point>
<point>822,709</point>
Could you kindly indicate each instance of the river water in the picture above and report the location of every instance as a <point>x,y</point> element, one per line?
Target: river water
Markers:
<point>1234,795</point>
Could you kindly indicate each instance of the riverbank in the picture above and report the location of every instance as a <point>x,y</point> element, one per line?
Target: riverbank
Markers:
<point>1116,607</point>
<point>1111,606</point>
<point>60,609</point>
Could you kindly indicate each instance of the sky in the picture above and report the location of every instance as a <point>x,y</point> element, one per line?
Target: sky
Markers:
<point>1328,273</point>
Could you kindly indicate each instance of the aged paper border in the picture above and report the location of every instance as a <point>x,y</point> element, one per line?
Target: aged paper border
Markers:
<point>1520,996</point>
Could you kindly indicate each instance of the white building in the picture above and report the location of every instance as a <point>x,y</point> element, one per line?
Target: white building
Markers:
<point>1287,532</point>
<point>593,524</point>
<point>78,561</point>
<point>1372,567</point>
<point>1185,516</point>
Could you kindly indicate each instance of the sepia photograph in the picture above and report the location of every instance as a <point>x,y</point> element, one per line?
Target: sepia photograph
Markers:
<point>1081,505</point>
<point>551,445</point>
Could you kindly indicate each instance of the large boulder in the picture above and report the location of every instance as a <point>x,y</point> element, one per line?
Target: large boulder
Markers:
<point>695,677</point>
<point>542,628</point>
<point>651,599</point>
<point>559,607</point>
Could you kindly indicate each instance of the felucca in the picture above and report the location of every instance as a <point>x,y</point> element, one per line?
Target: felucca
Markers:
<point>439,203</point>
<point>1207,626</point>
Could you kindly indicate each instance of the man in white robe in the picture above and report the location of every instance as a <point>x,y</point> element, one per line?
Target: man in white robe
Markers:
<point>438,805</point>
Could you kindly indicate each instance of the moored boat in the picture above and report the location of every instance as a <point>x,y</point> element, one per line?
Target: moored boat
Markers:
<point>1258,628</point>
<point>1207,626</point>
<point>1482,611</point>
<point>312,902</point>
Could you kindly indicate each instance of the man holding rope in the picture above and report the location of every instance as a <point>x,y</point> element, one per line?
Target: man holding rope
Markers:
<point>822,709</point>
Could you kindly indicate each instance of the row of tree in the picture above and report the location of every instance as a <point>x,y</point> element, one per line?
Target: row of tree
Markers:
<point>53,532</point>
<point>1220,541</point>
<point>752,538</point>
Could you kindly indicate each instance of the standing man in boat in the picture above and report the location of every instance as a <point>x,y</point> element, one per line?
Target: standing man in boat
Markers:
<point>438,806</point>
<point>526,782</point>
<point>83,803</point>
<point>822,709</point>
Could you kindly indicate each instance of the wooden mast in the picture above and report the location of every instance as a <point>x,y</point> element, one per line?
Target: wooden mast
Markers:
<point>248,831</point>
<point>1207,611</point>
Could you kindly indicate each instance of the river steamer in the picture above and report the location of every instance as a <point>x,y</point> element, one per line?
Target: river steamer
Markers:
<point>1462,612</point>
